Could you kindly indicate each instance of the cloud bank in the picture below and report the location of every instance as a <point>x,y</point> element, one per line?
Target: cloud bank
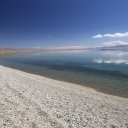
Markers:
<point>114,35</point>
<point>114,43</point>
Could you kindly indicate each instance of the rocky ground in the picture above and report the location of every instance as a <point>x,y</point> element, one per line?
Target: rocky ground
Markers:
<point>31,101</point>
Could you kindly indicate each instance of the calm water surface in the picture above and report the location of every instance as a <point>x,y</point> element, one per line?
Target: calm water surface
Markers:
<point>105,71</point>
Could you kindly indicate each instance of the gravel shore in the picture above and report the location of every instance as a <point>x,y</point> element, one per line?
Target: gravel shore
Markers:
<point>31,101</point>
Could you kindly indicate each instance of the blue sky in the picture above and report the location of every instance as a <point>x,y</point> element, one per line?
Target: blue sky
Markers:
<point>47,23</point>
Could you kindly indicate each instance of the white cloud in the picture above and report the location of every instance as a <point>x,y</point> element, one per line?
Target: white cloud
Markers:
<point>114,43</point>
<point>112,35</point>
<point>97,36</point>
<point>116,35</point>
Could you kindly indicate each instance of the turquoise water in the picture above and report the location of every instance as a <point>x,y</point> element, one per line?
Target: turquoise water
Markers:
<point>105,71</point>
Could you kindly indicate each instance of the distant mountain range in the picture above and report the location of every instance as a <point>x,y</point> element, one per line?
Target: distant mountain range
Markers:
<point>10,51</point>
<point>117,47</point>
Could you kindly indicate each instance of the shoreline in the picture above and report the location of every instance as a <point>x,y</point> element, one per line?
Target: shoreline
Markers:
<point>68,82</point>
<point>30,100</point>
<point>75,80</point>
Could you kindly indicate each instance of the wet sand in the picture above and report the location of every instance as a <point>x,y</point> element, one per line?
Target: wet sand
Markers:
<point>32,101</point>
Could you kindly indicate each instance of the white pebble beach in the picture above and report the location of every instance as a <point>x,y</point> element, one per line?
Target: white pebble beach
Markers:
<point>32,101</point>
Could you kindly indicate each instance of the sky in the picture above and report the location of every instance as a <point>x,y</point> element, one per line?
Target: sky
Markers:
<point>52,23</point>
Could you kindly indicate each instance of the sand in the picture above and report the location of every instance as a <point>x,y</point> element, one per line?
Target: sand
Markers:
<point>31,101</point>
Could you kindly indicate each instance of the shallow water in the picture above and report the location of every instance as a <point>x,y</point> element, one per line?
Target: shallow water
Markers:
<point>106,71</point>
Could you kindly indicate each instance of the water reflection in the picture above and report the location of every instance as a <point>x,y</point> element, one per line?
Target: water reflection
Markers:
<point>112,57</point>
<point>116,61</point>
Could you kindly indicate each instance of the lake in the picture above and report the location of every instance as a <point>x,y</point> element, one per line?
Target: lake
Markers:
<point>104,70</point>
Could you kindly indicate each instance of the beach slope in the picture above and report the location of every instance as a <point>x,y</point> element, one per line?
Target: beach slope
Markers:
<point>31,101</point>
